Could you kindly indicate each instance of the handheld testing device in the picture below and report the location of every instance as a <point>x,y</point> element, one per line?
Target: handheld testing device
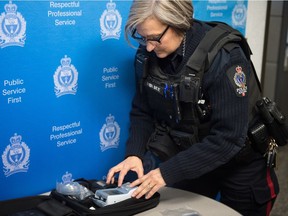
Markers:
<point>108,196</point>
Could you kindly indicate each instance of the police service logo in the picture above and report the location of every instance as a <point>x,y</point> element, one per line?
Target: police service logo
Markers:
<point>239,14</point>
<point>110,22</point>
<point>109,134</point>
<point>65,78</point>
<point>67,178</point>
<point>16,156</point>
<point>12,27</point>
<point>240,81</point>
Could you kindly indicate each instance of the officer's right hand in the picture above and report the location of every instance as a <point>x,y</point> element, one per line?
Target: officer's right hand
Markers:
<point>130,163</point>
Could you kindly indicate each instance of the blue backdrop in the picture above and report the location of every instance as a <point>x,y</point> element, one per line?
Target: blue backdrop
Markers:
<point>67,81</point>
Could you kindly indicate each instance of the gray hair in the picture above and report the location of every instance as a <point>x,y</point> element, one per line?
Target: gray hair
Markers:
<point>175,13</point>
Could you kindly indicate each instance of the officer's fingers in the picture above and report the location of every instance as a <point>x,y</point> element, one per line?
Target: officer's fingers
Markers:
<point>140,172</point>
<point>135,183</point>
<point>139,181</point>
<point>142,183</point>
<point>152,191</point>
<point>142,190</point>
<point>111,181</point>
<point>110,175</point>
<point>122,174</point>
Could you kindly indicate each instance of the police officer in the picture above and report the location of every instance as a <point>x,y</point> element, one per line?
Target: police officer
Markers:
<point>168,36</point>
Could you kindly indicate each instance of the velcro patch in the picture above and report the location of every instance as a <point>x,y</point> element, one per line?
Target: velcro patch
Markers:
<point>237,77</point>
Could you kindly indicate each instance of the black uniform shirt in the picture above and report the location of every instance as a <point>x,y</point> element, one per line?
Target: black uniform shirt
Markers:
<point>170,64</point>
<point>229,118</point>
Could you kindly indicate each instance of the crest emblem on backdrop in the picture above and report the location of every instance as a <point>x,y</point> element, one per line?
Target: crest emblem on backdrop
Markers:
<point>16,156</point>
<point>12,27</point>
<point>65,78</point>
<point>239,14</point>
<point>67,178</point>
<point>110,22</point>
<point>109,134</point>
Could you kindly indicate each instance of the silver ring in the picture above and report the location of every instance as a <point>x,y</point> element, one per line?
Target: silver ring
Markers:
<point>149,186</point>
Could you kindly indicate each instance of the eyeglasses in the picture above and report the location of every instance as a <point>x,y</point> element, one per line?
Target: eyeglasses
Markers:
<point>143,40</point>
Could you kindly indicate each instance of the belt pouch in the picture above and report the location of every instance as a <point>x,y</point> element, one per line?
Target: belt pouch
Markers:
<point>161,145</point>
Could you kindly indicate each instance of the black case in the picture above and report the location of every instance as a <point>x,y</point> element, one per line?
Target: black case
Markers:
<point>57,204</point>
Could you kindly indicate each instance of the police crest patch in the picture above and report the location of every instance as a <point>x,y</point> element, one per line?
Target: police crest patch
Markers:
<point>238,79</point>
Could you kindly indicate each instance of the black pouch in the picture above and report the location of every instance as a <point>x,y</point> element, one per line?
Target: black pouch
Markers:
<point>274,119</point>
<point>182,139</point>
<point>36,206</point>
<point>87,207</point>
<point>161,144</point>
<point>246,154</point>
<point>57,204</point>
<point>259,137</point>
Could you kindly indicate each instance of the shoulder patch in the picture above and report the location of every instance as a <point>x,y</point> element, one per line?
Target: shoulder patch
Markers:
<point>238,79</point>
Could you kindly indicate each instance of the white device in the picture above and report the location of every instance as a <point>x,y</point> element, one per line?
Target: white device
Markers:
<point>110,196</point>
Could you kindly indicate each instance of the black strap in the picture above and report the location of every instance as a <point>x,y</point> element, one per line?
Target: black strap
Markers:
<point>198,59</point>
<point>209,46</point>
<point>220,35</point>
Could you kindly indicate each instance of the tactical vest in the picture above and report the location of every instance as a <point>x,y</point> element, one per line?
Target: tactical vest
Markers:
<point>179,100</point>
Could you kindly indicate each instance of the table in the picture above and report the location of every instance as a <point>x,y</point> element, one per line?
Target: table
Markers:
<point>175,202</point>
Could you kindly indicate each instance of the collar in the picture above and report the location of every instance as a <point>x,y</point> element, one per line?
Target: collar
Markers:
<point>170,63</point>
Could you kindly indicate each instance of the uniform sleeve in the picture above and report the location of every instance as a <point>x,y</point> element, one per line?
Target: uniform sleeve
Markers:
<point>227,91</point>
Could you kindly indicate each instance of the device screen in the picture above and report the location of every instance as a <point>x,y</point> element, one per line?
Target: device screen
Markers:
<point>113,192</point>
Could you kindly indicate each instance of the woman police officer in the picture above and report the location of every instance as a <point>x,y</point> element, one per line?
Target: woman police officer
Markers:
<point>169,35</point>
